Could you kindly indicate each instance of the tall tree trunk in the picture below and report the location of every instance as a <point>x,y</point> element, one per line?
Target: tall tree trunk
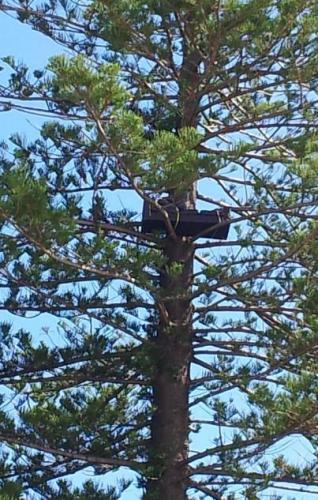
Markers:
<point>172,355</point>
<point>173,343</point>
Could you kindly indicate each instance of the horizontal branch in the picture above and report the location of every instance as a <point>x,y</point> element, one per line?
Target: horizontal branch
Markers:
<point>57,452</point>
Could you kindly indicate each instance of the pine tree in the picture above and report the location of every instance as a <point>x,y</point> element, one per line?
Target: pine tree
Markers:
<point>189,361</point>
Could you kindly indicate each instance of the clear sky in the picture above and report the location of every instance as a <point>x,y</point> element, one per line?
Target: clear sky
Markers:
<point>29,46</point>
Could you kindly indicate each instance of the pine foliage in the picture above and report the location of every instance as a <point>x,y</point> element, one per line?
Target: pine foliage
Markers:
<point>152,97</point>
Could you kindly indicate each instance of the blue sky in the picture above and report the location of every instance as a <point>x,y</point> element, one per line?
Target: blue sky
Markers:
<point>25,44</point>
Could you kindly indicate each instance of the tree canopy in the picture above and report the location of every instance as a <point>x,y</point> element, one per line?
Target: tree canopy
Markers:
<point>189,361</point>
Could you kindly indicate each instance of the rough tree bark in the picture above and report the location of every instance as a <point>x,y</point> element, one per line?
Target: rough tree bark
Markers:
<point>173,343</point>
<point>172,352</point>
